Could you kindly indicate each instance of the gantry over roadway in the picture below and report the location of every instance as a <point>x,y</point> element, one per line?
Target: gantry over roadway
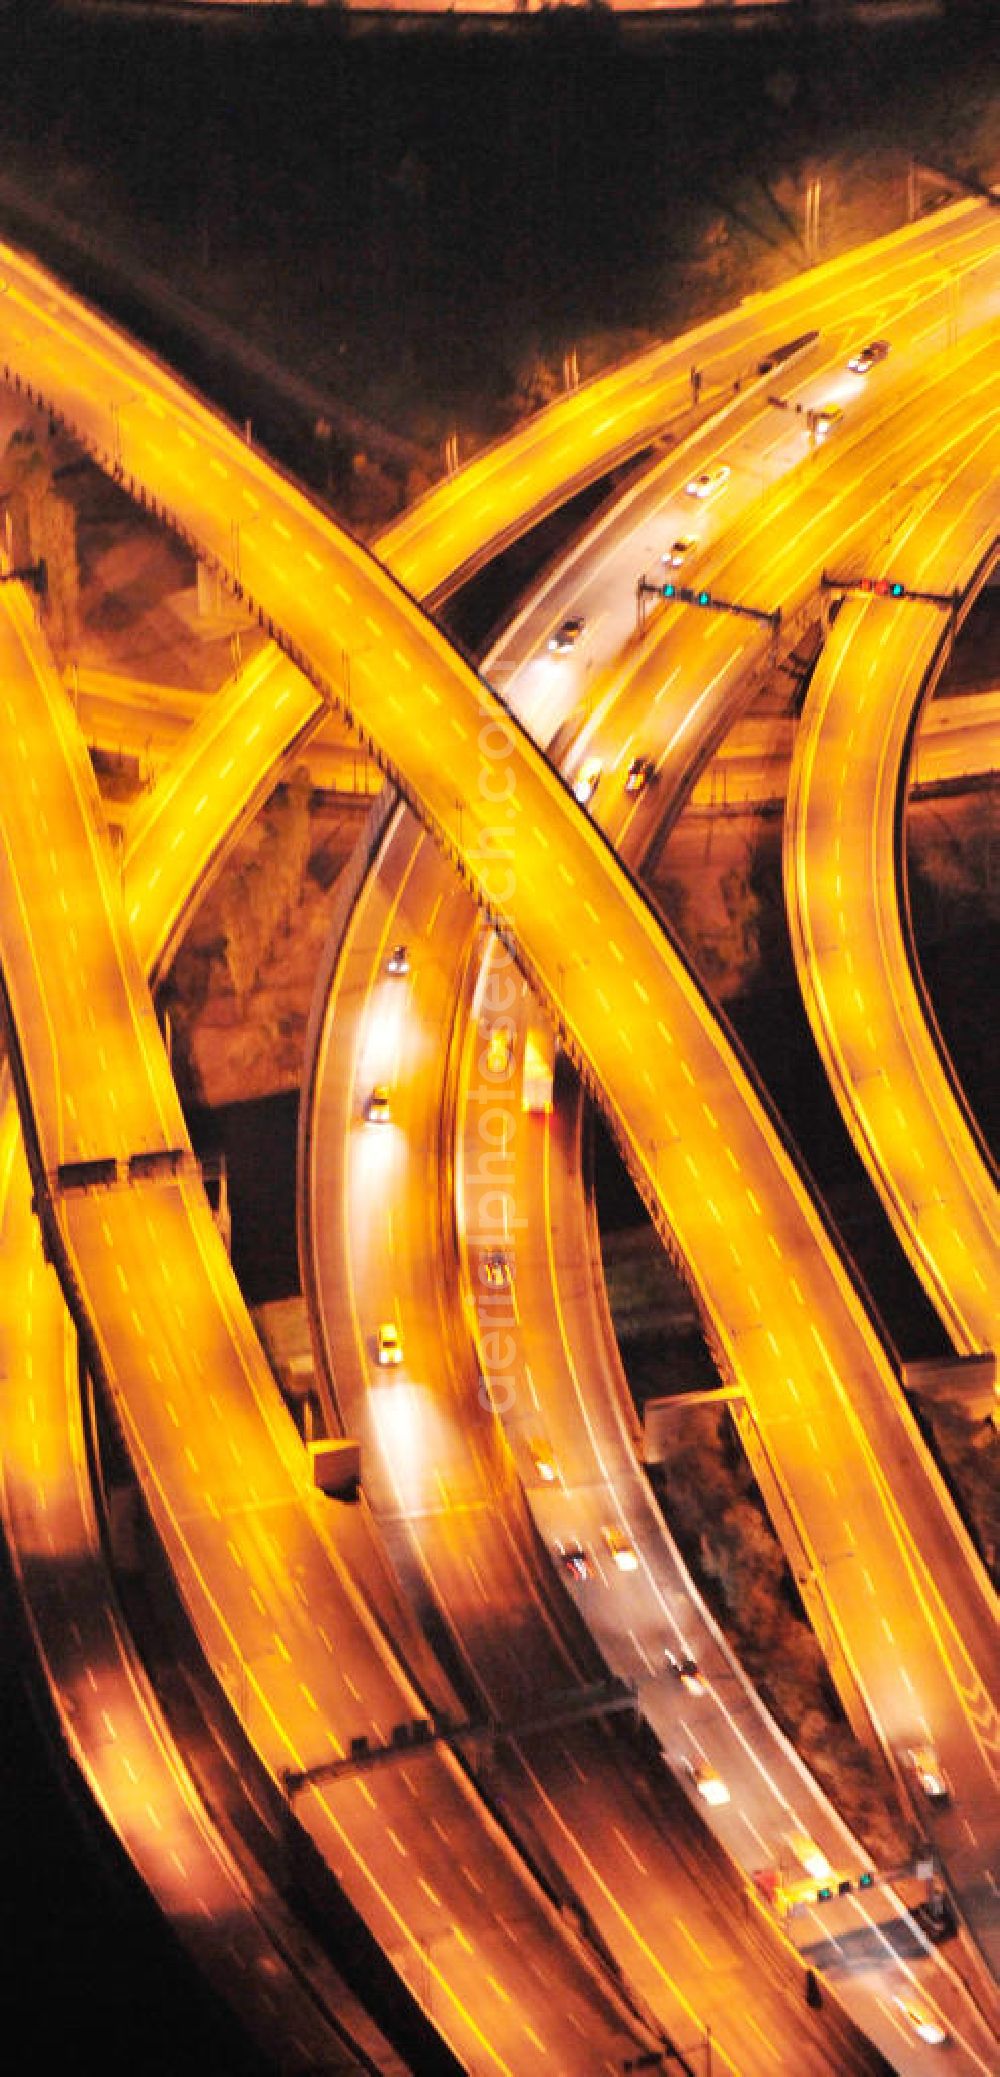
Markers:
<point>154,912</point>
<point>464,520</point>
<point>225,734</point>
<point>241,1933</point>
<point>847,504</point>
<point>845,871</point>
<point>537,865</point>
<point>217,765</point>
<point>439,1482</point>
<point>294,1618</point>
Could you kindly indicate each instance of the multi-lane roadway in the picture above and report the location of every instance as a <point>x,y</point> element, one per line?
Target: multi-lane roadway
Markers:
<point>844,866</point>
<point>422,1438</point>
<point>412,648</point>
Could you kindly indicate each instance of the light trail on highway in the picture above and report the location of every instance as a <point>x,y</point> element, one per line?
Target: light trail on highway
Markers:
<point>286,667</point>
<point>152,1224</point>
<point>466,518</point>
<point>843,872</point>
<point>534,782</point>
<point>165,1328</point>
<point>429,750</point>
<point>238,1930</point>
<point>907,437</point>
<point>453,1514</point>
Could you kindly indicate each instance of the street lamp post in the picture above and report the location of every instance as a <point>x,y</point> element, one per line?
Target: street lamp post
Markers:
<point>564,967</point>
<point>117,406</point>
<point>561,1011</point>
<point>811,228</point>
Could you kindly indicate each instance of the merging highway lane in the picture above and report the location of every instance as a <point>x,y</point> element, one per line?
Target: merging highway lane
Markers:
<point>844,866</point>
<point>275,1589</point>
<point>405,678</point>
<point>924,273</point>
<point>950,416</point>
<point>754,2032</point>
<point>454,1515</point>
<point>672,695</point>
<point>536,795</point>
<point>238,1930</point>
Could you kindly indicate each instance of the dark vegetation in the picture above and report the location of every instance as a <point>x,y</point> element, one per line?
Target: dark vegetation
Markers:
<point>92,1979</point>
<point>718,1517</point>
<point>425,223</point>
<point>708,1491</point>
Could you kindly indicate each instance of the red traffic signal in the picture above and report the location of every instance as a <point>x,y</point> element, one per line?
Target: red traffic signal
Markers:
<point>883,587</point>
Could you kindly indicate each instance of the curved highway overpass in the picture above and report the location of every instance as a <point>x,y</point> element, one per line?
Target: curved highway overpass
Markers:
<point>224,509</point>
<point>845,895</point>
<point>386,1046</point>
<point>241,561</point>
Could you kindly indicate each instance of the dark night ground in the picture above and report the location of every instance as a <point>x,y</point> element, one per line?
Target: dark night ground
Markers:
<point>409,219</point>
<point>89,1979</point>
<point>543,184</point>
